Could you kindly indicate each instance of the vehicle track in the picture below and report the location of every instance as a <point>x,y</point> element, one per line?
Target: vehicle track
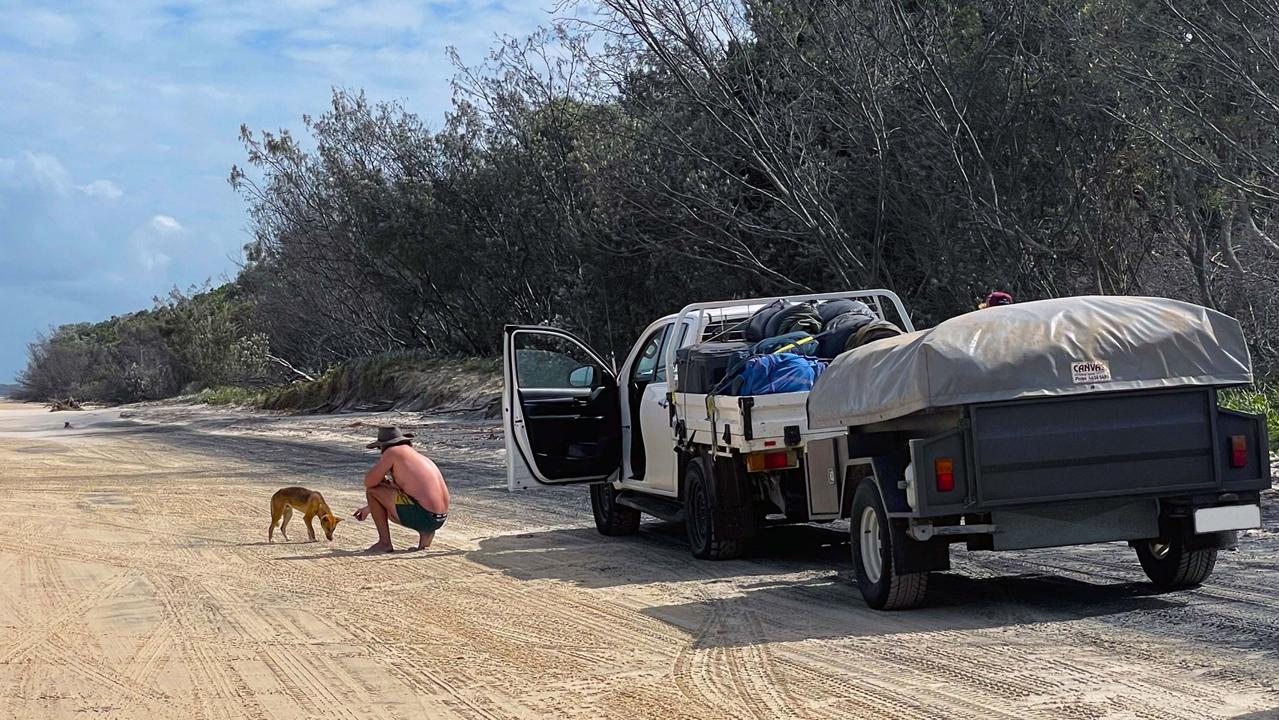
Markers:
<point>152,593</point>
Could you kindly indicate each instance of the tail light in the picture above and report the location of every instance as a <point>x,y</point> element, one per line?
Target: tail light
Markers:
<point>777,460</point>
<point>1238,451</point>
<point>945,470</point>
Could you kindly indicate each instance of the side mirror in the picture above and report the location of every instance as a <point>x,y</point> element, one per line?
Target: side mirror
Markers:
<point>582,377</point>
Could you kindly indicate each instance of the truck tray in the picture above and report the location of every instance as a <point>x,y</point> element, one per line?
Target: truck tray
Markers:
<point>749,423</point>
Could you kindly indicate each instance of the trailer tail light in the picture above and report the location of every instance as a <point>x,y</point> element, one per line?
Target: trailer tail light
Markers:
<point>774,460</point>
<point>1238,451</point>
<point>945,470</point>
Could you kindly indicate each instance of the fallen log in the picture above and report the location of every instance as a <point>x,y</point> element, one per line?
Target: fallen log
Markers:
<point>58,405</point>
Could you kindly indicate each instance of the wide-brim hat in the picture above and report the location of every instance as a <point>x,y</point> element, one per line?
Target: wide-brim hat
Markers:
<point>388,436</point>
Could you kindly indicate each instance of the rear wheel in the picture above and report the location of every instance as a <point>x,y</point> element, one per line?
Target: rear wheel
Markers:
<point>611,518</point>
<point>872,540</point>
<point>1170,564</point>
<point>708,537</point>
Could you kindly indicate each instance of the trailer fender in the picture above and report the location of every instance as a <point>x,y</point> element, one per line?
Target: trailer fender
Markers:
<point>909,555</point>
<point>890,470</point>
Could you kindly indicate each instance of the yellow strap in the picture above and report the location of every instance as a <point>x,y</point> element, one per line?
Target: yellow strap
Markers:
<point>793,345</point>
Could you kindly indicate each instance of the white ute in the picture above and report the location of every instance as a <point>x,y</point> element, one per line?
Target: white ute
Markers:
<point>726,465</point>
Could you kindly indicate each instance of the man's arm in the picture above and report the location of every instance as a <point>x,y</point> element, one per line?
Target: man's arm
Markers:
<point>379,471</point>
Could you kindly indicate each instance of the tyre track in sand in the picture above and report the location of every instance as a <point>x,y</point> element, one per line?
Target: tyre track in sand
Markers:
<point>67,612</point>
<point>521,612</point>
<point>214,687</point>
<point>46,646</point>
<point>738,678</point>
<point>147,660</point>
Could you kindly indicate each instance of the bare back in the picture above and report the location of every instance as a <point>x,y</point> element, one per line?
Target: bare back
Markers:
<point>417,476</point>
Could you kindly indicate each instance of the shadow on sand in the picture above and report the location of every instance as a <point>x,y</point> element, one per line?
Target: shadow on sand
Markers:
<point>337,553</point>
<point>772,609</point>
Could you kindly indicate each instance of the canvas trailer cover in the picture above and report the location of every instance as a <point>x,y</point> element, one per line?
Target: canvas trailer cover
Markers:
<point>1043,349</point>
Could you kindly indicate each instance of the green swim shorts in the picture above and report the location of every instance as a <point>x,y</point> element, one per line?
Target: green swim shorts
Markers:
<point>414,516</point>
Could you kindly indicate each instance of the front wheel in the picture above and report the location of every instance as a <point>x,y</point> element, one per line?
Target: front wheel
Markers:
<point>872,538</point>
<point>611,518</point>
<point>1171,565</point>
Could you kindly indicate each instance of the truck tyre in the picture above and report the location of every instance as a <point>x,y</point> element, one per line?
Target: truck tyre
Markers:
<point>1170,564</point>
<point>703,518</point>
<point>611,518</point>
<point>872,538</point>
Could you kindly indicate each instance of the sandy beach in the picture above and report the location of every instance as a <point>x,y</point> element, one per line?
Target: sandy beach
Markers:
<point>138,583</point>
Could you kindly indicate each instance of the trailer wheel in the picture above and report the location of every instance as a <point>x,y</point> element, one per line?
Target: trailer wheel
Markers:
<point>1170,564</point>
<point>707,536</point>
<point>611,518</point>
<point>872,538</point>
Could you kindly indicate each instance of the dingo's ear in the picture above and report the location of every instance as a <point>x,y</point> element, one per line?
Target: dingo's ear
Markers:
<point>336,520</point>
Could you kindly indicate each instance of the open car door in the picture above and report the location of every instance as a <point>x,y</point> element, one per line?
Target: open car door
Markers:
<point>560,408</point>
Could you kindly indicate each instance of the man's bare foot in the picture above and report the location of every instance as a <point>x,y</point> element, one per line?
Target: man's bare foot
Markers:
<point>411,549</point>
<point>424,540</point>
<point>380,547</point>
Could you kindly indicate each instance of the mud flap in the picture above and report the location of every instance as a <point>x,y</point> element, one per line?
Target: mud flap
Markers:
<point>1225,540</point>
<point>1184,527</point>
<point>732,498</point>
<point>913,556</point>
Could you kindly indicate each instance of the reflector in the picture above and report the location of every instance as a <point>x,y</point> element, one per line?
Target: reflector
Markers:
<point>776,460</point>
<point>1238,451</point>
<point>945,468</point>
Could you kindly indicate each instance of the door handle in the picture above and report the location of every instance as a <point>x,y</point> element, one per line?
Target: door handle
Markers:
<point>663,403</point>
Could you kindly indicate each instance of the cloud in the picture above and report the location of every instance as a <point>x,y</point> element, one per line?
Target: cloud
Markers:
<point>381,15</point>
<point>47,172</point>
<point>102,189</point>
<point>153,260</point>
<point>166,225</point>
<point>43,28</point>
<point>92,93</point>
<point>156,242</point>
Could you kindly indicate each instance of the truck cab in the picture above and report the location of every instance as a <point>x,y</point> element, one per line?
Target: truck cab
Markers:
<point>565,406</point>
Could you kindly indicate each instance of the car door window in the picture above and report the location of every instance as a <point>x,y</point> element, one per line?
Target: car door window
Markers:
<point>660,373</point>
<point>552,362</point>
<point>650,357</point>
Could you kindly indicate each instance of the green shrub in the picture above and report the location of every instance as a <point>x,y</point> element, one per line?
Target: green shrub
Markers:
<point>229,395</point>
<point>1262,399</point>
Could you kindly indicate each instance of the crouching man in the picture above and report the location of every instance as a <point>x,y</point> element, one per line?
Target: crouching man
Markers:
<point>405,488</point>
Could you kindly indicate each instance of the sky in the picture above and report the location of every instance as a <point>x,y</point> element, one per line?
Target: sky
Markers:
<point>119,124</point>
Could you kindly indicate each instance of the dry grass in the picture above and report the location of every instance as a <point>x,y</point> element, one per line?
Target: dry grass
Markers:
<point>401,381</point>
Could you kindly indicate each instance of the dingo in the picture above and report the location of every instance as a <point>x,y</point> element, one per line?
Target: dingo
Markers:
<point>310,502</point>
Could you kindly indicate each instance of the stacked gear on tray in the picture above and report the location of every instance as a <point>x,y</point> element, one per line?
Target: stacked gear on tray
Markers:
<point>785,350</point>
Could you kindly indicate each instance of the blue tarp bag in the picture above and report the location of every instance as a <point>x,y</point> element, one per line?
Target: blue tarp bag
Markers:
<point>779,373</point>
